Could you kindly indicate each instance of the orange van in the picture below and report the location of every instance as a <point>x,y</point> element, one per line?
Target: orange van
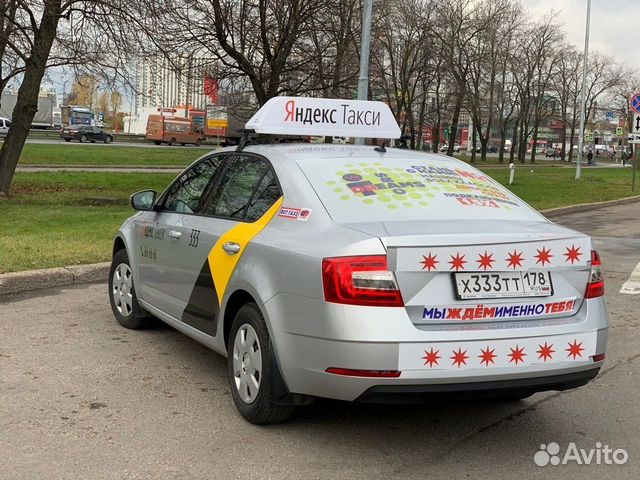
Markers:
<point>172,130</point>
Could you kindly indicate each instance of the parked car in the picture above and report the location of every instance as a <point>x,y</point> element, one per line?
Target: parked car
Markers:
<point>444,148</point>
<point>279,257</point>
<point>551,152</point>
<point>85,133</point>
<point>5,124</point>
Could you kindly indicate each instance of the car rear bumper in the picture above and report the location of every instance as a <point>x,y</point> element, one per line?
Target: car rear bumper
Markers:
<point>311,337</point>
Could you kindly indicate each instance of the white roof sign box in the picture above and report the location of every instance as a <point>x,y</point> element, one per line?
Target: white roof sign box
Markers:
<point>324,116</point>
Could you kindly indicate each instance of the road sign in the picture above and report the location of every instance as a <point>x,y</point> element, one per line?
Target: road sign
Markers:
<point>635,126</point>
<point>609,115</point>
<point>635,103</point>
<point>619,131</point>
<point>588,137</point>
<point>633,138</point>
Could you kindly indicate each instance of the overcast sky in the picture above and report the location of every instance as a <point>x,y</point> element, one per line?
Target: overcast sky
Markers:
<point>612,30</point>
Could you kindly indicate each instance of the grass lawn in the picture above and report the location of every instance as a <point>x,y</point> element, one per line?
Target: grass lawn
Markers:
<point>549,187</point>
<point>110,155</point>
<point>66,218</point>
<point>52,220</point>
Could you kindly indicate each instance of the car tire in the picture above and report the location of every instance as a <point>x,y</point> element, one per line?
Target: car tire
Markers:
<point>67,139</point>
<point>255,405</point>
<point>198,143</point>
<point>157,142</point>
<point>83,139</point>
<point>108,139</point>
<point>122,294</point>
<point>172,142</point>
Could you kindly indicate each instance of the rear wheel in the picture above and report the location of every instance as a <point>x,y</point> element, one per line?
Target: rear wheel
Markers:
<point>83,139</point>
<point>108,139</point>
<point>157,142</point>
<point>249,368</point>
<point>198,142</point>
<point>67,139</point>
<point>122,294</point>
<point>172,142</point>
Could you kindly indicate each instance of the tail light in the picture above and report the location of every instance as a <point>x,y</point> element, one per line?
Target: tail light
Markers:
<point>361,280</point>
<point>595,287</point>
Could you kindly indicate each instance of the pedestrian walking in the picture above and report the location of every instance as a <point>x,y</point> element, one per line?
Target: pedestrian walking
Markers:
<point>589,157</point>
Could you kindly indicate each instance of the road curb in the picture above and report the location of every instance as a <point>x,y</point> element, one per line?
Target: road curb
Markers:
<point>99,272</point>
<point>585,207</point>
<point>53,277</point>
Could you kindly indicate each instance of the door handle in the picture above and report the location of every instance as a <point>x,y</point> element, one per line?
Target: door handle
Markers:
<point>231,248</point>
<point>175,234</point>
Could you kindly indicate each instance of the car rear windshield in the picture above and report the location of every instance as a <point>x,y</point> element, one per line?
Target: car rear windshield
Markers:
<point>389,189</point>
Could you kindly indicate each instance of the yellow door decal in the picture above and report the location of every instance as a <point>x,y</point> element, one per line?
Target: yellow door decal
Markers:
<point>221,263</point>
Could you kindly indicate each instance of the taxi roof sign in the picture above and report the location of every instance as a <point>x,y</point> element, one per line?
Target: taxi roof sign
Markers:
<point>324,116</point>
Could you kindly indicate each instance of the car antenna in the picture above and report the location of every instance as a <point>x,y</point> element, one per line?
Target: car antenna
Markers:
<point>382,148</point>
<point>246,137</point>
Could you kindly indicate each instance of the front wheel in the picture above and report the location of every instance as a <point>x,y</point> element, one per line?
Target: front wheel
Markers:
<point>122,294</point>
<point>249,369</point>
<point>83,139</point>
<point>172,142</point>
<point>108,139</point>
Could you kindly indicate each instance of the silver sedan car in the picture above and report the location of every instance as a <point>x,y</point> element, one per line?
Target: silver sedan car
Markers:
<point>361,274</point>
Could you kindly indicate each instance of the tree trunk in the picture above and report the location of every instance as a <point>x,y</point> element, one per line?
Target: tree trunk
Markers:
<point>503,142</point>
<point>453,129</point>
<point>514,140</point>
<point>534,146</point>
<point>27,101</point>
<point>435,137</point>
<point>563,135</point>
<point>571,143</point>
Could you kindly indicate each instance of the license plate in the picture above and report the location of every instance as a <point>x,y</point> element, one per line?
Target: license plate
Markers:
<point>503,285</point>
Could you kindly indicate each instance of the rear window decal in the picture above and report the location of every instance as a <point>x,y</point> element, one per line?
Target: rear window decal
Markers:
<point>404,187</point>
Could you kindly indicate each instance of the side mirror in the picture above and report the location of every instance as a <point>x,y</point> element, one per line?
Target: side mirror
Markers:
<point>144,200</point>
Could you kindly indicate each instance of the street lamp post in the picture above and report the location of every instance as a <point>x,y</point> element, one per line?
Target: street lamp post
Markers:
<point>363,80</point>
<point>583,100</point>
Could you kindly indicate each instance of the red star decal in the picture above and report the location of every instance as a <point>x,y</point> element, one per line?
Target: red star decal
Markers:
<point>487,356</point>
<point>485,261</point>
<point>431,358</point>
<point>459,357</point>
<point>575,349</point>
<point>573,254</point>
<point>543,256</point>
<point>517,355</point>
<point>429,263</point>
<point>457,262</point>
<point>515,259</point>
<point>545,351</point>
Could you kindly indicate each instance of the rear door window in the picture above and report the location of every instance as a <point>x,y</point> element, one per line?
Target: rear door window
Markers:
<point>402,188</point>
<point>185,194</point>
<point>246,189</point>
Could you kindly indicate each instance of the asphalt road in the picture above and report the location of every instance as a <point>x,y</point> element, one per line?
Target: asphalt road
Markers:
<point>82,398</point>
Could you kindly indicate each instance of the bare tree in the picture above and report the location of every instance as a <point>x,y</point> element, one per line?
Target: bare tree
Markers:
<point>401,59</point>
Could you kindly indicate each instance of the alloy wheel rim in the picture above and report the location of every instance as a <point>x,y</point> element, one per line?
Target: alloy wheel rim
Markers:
<point>122,290</point>
<point>247,363</point>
